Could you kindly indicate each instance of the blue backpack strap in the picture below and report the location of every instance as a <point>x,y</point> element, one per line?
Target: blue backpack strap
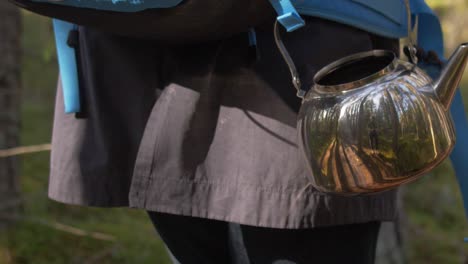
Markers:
<point>430,37</point>
<point>287,14</point>
<point>67,66</point>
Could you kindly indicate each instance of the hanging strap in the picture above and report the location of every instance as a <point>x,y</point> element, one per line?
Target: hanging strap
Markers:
<point>67,66</point>
<point>290,19</point>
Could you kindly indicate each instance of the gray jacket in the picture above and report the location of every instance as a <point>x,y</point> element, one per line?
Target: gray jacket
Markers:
<point>206,130</point>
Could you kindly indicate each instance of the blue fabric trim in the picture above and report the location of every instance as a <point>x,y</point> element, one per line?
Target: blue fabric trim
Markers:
<point>287,14</point>
<point>67,66</point>
<point>366,17</point>
<point>390,9</point>
<point>370,24</point>
<point>116,5</point>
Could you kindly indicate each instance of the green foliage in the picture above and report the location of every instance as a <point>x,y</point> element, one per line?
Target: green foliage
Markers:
<point>437,3</point>
<point>436,219</point>
<point>39,62</point>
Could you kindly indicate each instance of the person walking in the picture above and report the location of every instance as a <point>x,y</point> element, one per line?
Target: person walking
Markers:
<point>202,135</point>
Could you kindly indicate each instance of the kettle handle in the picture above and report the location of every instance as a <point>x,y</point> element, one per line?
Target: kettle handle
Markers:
<point>292,68</point>
<point>287,58</point>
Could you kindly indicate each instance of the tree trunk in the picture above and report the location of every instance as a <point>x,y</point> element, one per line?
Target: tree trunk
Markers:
<point>10,51</point>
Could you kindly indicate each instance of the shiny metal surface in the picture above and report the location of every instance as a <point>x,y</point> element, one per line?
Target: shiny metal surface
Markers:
<point>365,130</point>
<point>372,122</point>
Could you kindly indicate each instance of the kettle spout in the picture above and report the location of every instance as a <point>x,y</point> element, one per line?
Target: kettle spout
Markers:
<point>446,86</point>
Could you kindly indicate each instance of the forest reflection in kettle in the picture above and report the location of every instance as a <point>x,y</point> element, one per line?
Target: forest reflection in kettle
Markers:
<point>372,122</point>
<point>365,133</point>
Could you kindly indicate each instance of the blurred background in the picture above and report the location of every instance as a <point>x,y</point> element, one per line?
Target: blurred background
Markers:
<point>34,229</point>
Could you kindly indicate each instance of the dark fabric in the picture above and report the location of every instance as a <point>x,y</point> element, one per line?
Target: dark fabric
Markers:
<point>203,130</point>
<point>191,21</point>
<point>193,240</point>
<point>92,159</point>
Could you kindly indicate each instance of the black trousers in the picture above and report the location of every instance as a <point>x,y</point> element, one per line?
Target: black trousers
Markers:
<point>202,241</point>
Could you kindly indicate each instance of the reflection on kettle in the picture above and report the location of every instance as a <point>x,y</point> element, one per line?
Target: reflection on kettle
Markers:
<point>373,135</point>
<point>372,122</point>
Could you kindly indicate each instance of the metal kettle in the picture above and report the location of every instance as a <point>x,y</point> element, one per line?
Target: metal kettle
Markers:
<point>364,134</point>
<point>372,122</point>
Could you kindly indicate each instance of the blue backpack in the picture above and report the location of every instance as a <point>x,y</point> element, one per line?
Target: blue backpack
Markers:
<point>165,20</point>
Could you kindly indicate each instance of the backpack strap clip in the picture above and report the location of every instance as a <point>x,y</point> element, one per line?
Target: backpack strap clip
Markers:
<point>287,15</point>
<point>67,65</point>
